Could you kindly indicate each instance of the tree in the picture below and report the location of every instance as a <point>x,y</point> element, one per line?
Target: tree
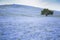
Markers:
<point>46,12</point>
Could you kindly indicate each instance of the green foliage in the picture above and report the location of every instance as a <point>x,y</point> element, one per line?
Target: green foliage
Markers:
<point>46,12</point>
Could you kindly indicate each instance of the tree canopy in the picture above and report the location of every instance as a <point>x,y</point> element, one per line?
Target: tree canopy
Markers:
<point>46,12</point>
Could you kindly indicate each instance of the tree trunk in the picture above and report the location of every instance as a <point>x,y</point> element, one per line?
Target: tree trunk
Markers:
<point>46,14</point>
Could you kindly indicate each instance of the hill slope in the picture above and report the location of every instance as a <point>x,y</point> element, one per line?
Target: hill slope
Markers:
<point>19,9</point>
<point>15,9</point>
<point>27,28</point>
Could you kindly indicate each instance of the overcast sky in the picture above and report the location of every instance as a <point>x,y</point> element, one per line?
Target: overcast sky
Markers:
<point>50,4</point>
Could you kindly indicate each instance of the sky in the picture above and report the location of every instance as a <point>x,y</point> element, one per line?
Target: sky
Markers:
<point>50,4</point>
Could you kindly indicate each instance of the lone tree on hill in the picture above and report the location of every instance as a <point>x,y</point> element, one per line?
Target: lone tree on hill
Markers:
<point>46,12</point>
